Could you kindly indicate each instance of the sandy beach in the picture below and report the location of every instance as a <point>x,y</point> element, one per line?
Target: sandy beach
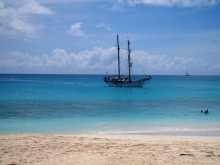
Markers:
<point>108,149</point>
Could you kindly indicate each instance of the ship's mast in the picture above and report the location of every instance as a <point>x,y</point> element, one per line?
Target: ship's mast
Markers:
<point>129,61</point>
<point>119,73</point>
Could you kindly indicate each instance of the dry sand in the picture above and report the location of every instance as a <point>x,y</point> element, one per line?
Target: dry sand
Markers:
<point>108,150</point>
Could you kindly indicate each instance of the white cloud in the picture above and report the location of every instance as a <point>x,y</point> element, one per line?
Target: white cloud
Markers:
<point>101,60</point>
<point>76,30</point>
<point>33,7</point>
<point>15,16</point>
<point>169,3</point>
<point>63,1</point>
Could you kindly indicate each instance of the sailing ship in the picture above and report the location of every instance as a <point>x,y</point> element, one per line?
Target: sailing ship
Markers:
<point>125,80</point>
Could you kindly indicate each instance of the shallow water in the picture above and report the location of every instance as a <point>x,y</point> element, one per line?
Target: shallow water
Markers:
<point>84,104</point>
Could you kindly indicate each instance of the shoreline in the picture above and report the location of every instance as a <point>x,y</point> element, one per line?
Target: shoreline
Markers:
<point>115,134</point>
<point>99,149</point>
<point>185,132</point>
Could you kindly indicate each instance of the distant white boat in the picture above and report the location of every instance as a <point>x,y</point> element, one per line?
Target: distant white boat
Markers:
<point>125,81</point>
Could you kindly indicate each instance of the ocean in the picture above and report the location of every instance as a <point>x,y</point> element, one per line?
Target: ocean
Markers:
<point>74,104</point>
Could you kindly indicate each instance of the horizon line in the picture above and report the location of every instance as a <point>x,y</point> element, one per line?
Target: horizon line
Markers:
<point>108,74</point>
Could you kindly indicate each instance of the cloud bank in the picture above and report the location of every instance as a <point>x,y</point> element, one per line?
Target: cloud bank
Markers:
<point>170,3</point>
<point>102,60</point>
<point>15,16</point>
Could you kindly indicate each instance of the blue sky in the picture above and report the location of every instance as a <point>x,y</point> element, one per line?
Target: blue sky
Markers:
<point>78,36</point>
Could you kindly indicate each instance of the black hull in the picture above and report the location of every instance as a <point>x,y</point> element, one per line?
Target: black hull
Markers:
<point>124,82</point>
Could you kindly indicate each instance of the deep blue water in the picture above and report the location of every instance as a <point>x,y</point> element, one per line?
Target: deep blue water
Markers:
<point>84,104</point>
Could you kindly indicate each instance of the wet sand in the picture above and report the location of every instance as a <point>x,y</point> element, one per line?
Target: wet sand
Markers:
<point>108,150</point>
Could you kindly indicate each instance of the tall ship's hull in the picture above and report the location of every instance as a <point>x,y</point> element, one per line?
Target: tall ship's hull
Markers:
<point>126,84</point>
<point>125,81</point>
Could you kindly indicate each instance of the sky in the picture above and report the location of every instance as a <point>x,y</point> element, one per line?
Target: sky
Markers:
<point>79,36</point>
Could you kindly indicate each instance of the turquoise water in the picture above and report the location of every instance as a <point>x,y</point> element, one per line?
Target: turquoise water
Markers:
<point>84,104</point>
